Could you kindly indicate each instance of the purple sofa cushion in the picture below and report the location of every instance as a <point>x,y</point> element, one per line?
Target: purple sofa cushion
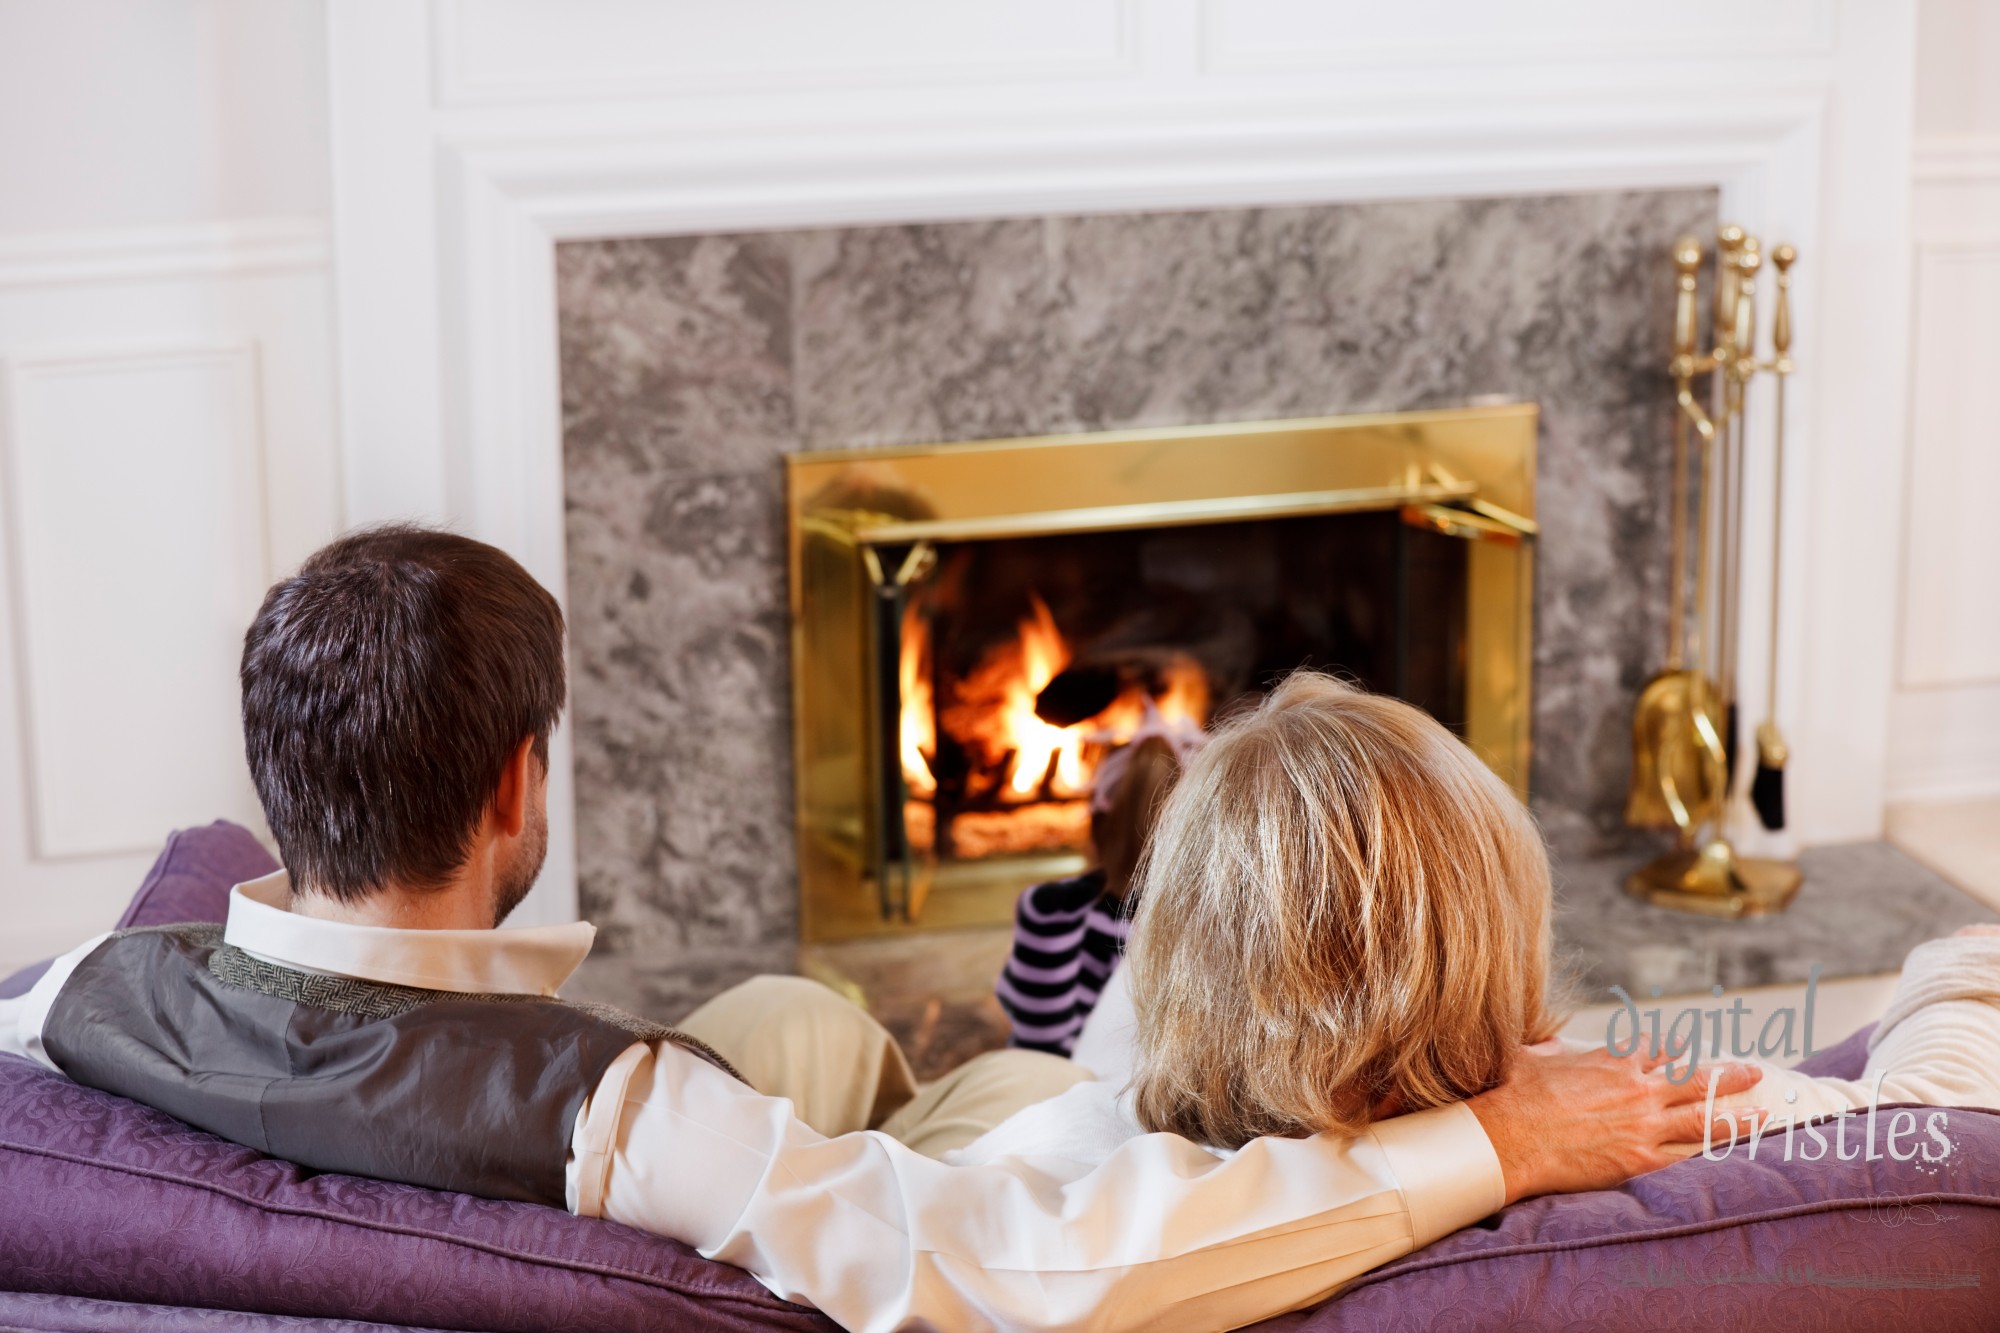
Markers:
<point>103,1202</point>
<point>1730,1245</point>
<point>189,882</point>
<point>1736,1244</point>
<point>193,876</point>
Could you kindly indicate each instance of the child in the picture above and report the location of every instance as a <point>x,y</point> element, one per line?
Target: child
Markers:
<point>1069,934</point>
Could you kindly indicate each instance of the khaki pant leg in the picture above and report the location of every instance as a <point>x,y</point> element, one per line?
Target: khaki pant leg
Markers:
<point>791,1037</point>
<point>978,1095</point>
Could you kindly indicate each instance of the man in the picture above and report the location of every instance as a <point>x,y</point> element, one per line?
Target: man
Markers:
<point>360,1012</point>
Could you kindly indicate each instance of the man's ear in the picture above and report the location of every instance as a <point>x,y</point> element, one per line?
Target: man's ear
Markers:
<point>510,798</point>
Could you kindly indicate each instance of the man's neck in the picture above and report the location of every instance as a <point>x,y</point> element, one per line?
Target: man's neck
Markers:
<point>464,903</point>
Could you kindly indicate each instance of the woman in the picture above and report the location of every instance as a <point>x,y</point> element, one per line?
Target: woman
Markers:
<point>1344,915</point>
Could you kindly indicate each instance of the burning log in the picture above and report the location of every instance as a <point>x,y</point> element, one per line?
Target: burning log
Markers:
<point>1006,752</point>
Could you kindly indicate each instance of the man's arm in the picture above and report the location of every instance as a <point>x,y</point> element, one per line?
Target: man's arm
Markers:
<point>1570,1121</point>
<point>878,1236</point>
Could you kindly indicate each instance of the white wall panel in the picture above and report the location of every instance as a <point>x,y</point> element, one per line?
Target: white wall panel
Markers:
<point>1944,735</point>
<point>1957,93</point>
<point>167,421</point>
<point>498,50</point>
<point>121,113</point>
<point>1945,743</point>
<point>1951,587</point>
<point>184,376</point>
<point>136,513</point>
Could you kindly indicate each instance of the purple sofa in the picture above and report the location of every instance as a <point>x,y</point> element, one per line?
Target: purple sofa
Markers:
<point>113,1215</point>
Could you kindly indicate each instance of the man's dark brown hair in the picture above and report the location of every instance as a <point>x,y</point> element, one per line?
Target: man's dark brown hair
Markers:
<point>385,685</point>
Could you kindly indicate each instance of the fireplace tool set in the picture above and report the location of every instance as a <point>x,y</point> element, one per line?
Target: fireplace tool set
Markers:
<point>1686,760</point>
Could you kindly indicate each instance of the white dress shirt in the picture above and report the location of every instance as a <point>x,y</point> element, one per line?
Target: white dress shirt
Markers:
<point>1159,1233</point>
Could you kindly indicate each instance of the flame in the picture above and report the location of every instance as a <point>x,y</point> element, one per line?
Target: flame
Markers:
<point>1035,774</point>
<point>1035,743</point>
<point>918,724</point>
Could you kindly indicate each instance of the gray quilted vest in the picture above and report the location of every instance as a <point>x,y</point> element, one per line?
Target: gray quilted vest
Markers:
<point>475,1093</point>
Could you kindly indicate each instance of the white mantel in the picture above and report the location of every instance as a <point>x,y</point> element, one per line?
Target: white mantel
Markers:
<point>468,138</point>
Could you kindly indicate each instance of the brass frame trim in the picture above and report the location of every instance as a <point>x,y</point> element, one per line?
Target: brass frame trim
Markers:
<point>1468,472</point>
<point>1165,514</point>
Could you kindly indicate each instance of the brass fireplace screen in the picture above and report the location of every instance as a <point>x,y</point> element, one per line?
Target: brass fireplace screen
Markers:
<point>975,626</point>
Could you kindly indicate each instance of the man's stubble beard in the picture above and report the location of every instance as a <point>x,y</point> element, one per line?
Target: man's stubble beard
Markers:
<point>519,876</point>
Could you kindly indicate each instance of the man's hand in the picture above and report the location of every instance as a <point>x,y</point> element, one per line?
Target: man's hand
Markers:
<point>1590,1120</point>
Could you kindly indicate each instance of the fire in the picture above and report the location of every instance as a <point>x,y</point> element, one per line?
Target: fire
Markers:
<point>1040,750</point>
<point>918,724</point>
<point>992,713</point>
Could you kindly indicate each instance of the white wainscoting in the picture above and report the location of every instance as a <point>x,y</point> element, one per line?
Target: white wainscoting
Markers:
<point>1945,719</point>
<point>466,145</point>
<point>119,638</point>
<point>166,445</point>
<point>1951,590</point>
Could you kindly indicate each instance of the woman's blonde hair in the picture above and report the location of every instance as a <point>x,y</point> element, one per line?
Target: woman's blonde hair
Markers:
<point>1342,909</point>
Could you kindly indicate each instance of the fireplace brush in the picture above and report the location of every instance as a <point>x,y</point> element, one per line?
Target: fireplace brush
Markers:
<point>1684,728</point>
<point>1767,788</point>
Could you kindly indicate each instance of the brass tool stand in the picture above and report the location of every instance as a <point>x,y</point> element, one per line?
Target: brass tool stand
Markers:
<point>1685,746</point>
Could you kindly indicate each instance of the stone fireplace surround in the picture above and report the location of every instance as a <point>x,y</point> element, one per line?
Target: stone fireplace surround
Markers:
<point>690,364</point>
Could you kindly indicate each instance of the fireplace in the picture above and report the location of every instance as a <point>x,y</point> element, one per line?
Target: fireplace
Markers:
<point>977,626</point>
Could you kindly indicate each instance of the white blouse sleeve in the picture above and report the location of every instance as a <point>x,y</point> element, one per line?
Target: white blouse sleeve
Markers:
<point>1162,1233</point>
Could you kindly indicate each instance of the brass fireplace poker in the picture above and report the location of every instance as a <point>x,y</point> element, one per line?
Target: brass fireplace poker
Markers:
<point>1684,729</point>
<point>1767,787</point>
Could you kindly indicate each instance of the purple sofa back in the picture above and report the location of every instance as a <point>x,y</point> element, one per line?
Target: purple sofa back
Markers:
<point>105,1204</point>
